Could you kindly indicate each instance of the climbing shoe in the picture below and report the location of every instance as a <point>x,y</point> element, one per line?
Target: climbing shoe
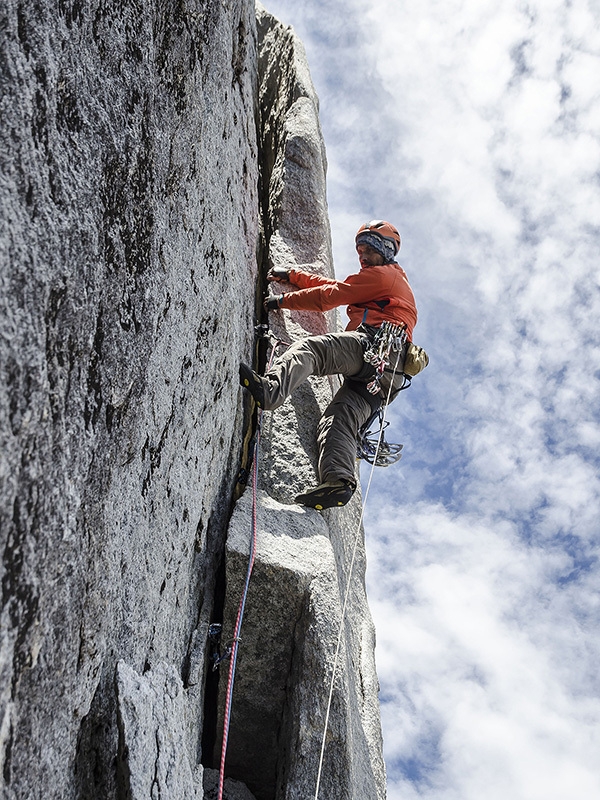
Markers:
<point>327,495</point>
<point>254,383</point>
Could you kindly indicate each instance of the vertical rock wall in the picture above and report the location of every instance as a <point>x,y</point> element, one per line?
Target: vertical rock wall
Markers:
<point>129,227</point>
<point>293,612</point>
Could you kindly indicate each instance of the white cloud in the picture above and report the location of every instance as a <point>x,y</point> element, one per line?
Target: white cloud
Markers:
<point>583,81</point>
<point>477,654</point>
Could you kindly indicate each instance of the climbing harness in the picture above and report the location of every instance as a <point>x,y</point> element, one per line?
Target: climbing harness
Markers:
<point>387,339</point>
<point>348,586</point>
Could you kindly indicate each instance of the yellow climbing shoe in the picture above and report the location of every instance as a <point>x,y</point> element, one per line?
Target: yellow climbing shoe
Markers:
<point>254,383</point>
<point>328,495</point>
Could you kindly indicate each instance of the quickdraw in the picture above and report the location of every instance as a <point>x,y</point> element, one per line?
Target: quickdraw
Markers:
<point>388,339</point>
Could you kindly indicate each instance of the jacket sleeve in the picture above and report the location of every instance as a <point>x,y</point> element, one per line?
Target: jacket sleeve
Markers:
<point>306,280</point>
<point>325,293</point>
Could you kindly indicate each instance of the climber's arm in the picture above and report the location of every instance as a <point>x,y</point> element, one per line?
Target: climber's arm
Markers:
<point>308,280</point>
<point>326,293</point>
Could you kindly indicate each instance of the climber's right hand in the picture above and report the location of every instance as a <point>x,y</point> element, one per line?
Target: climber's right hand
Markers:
<point>278,274</point>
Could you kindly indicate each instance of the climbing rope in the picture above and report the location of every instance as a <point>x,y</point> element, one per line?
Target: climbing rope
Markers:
<point>348,585</point>
<point>240,614</point>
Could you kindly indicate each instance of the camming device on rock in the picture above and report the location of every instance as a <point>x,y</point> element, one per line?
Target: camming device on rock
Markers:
<point>214,637</point>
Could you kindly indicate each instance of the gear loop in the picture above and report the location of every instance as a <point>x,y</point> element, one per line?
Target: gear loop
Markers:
<point>388,339</point>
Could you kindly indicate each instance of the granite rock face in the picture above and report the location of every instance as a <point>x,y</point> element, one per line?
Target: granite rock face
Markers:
<point>154,160</point>
<point>153,752</point>
<point>307,564</point>
<point>129,229</point>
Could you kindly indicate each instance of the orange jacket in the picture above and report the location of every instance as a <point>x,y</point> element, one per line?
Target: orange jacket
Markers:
<point>374,295</point>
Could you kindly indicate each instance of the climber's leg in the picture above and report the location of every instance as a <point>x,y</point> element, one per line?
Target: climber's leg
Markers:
<point>330,354</point>
<point>336,436</point>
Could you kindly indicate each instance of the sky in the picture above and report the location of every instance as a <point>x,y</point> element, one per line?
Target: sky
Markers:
<point>474,127</point>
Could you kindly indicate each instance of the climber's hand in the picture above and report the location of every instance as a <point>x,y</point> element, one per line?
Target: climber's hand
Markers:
<point>273,302</point>
<point>278,274</point>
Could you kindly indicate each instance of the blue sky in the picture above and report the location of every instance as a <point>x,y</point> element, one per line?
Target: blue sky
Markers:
<point>474,126</point>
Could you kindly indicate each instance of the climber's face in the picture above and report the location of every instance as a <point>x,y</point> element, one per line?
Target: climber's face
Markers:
<point>368,256</point>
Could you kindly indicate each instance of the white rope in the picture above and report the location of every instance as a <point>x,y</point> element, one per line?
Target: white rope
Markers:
<point>348,584</point>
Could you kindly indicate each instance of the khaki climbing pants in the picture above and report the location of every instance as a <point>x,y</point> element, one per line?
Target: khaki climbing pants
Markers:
<point>332,354</point>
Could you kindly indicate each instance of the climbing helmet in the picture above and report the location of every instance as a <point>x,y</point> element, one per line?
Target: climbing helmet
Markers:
<point>381,236</point>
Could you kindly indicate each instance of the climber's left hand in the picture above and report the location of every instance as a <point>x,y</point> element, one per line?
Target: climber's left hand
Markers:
<point>273,302</point>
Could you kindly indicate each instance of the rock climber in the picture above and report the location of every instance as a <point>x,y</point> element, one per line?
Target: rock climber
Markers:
<point>378,293</point>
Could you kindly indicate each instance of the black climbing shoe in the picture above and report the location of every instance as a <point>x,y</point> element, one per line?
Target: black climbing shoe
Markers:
<point>254,383</point>
<point>327,495</point>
